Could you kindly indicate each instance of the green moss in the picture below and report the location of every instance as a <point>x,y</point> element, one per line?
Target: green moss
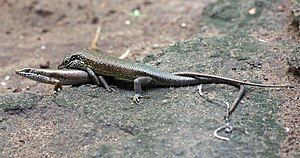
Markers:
<point>234,14</point>
<point>237,43</point>
<point>61,102</point>
<point>229,15</point>
<point>102,151</point>
<point>19,101</point>
<point>149,58</point>
<point>261,124</point>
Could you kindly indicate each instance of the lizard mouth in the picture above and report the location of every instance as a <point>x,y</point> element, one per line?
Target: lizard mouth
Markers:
<point>25,71</point>
<point>61,66</point>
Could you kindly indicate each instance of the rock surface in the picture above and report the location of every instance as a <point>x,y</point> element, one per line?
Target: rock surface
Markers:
<point>85,121</point>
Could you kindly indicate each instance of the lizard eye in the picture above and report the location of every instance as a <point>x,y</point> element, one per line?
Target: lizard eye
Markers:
<point>65,61</point>
<point>27,70</point>
<point>75,56</point>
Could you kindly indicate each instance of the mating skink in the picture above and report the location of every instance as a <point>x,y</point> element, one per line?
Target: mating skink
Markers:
<point>98,64</point>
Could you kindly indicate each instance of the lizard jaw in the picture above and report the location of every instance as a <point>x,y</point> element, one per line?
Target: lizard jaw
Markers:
<point>25,71</point>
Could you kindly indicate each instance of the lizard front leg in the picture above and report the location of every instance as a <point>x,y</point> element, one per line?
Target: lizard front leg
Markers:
<point>138,82</point>
<point>50,80</point>
<point>57,86</point>
<point>99,80</point>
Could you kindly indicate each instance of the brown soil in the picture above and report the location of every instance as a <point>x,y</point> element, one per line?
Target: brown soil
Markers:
<point>34,32</point>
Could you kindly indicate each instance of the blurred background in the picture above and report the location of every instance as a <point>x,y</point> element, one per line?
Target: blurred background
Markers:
<point>34,32</point>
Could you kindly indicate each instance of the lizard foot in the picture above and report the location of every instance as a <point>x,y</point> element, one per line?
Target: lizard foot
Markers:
<point>108,88</point>
<point>136,98</point>
<point>92,86</point>
<point>53,94</point>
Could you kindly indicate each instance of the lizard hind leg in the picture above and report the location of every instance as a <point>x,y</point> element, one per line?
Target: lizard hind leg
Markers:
<point>105,84</point>
<point>237,100</point>
<point>138,82</point>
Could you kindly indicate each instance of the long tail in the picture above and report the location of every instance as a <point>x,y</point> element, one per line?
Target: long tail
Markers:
<point>227,80</point>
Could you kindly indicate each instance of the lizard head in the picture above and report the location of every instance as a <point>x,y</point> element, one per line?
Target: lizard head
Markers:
<point>26,72</point>
<point>40,75</point>
<point>72,61</point>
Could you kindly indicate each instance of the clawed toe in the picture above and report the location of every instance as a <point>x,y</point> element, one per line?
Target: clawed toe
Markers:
<point>136,98</point>
<point>53,94</point>
<point>110,89</point>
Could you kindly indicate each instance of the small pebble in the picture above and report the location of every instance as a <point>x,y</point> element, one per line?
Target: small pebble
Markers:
<point>183,25</point>
<point>281,8</point>
<point>3,84</point>
<point>252,11</point>
<point>45,65</point>
<point>95,20</point>
<point>7,77</point>
<point>262,40</point>
<point>43,47</point>
<point>17,90</point>
<point>156,46</point>
<point>287,129</point>
<point>165,101</point>
<point>127,22</point>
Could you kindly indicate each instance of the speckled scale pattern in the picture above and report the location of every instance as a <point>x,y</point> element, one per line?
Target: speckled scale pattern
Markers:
<point>103,64</point>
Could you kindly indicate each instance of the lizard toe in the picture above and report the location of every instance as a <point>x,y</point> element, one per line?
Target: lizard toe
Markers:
<point>110,89</point>
<point>53,94</point>
<point>136,98</point>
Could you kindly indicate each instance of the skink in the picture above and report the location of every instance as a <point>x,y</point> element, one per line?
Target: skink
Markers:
<point>56,77</point>
<point>98,64</point>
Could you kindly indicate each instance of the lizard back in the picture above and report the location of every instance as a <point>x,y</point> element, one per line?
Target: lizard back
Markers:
<point>106,65</point>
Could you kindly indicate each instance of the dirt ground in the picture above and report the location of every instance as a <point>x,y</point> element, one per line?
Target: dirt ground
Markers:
<point>34,32</point>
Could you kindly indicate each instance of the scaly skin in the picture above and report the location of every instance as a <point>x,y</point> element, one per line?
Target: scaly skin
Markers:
<point>96,63</point>
<point>105,65</point>
<point>56,77</point>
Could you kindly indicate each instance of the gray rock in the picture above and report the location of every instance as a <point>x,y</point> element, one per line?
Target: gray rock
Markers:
<point>294,61</point>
